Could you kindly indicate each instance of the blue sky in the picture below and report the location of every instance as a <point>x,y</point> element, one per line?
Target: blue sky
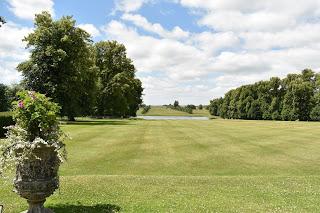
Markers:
<point>189,50</point>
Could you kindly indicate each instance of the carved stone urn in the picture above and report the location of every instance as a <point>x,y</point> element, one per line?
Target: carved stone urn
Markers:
<point>37,178</point>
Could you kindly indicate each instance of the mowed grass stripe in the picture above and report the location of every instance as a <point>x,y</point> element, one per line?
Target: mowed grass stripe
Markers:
<point>215,147</point>
<point>180,194</point>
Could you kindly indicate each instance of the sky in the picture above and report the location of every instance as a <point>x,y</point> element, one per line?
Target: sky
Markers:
<point>186,50</point>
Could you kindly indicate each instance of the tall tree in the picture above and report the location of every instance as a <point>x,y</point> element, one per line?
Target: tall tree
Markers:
<point>297,102</point>
<point>119,92</point>
<point>176,103</point>
<point>61,64</point>
<point>315,112</point>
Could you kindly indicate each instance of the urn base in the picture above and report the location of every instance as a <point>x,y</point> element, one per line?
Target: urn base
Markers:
<point>37,207</point>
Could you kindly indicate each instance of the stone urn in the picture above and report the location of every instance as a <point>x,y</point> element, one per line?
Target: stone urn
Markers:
<point>37,178</point>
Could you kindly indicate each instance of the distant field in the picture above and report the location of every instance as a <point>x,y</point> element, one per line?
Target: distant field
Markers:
<point>186,166</point>
<point>164,111</point>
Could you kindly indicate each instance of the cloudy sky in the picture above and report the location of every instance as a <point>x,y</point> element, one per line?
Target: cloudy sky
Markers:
<point>189,50</point>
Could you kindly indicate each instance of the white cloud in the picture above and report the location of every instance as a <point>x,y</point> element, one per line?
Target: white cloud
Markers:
<point>26,9</point>
<point>212,43</point>
<point>90,28</point>
<point>11,44</point>
<point>177,59</point>
<point>249,6</point>
<point>8,74</point>
<point>300,36</point>
<point>254,15</point>
<point>237,21</point>
<point>12,51</point>
<point>140,21</point>
<point>129,5</point>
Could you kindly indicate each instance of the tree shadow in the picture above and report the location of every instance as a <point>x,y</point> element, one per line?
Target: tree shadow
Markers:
<point>99,208</point>
<point>97,122</point>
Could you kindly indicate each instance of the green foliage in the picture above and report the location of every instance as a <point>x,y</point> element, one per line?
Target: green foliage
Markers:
<point>293,98</point>
<point>84,79</point>
<point>191,106</point>
<point>297,102</point>
<point>5,121</point>
<point>119,92</point>
<point>61,64</point>
<point>175,103</point>
<point>145,109</point>
<point>8,95</point>
<point>200,107</point>
<point>37,115</point>
<point>215,106</point>
<point>36,125</point>
<point>188,109</point>
<point>315,113</point>
<point>4,99</point>
<point>13,90</point>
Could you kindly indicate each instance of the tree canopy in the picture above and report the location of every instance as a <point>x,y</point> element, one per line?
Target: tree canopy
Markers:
<point>296,97</point>
<point>119,92</point>
<point>61,64</point>
<point>176,103</point>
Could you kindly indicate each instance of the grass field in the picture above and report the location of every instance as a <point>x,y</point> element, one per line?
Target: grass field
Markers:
<point>164,111</point>
<point>186,166</point>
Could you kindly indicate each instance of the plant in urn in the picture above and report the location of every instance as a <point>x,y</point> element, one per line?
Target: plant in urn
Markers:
<point>34,145</point>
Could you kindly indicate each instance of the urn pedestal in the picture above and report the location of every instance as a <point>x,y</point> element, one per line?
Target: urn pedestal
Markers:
<point>37,178</point>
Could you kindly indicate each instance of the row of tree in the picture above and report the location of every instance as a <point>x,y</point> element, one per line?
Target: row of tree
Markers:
<point>296,97</point>
<point>82,77</point>
<point>188,108</point>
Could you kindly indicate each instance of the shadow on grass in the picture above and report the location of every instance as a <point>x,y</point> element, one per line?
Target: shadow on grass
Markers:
<point>72,208</point>
<point>97,122</point>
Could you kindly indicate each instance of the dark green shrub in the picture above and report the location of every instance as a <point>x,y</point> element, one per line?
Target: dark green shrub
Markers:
<point>5,120</point>
<point>315,113</point>
<point>191,106</point>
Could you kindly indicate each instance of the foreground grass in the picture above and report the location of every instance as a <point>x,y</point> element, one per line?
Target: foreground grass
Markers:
<point>164,111</point>
<point>179,194</point>
<point>186,166</point>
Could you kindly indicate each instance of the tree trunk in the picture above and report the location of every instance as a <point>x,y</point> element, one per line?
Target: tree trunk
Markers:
<point>71,118</point>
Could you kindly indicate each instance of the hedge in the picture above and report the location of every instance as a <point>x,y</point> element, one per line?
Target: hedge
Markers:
<point>5,120</point>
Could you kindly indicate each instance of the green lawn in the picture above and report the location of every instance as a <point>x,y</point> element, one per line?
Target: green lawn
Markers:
<point>186,166</point>
<point>164,111</point>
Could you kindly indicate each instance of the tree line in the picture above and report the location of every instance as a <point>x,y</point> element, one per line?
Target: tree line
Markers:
<point>296,97</point>
<point>83,77</point>
<point>176,106</point>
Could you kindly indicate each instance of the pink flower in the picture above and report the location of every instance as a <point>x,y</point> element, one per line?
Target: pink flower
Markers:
<point>20,104</point>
